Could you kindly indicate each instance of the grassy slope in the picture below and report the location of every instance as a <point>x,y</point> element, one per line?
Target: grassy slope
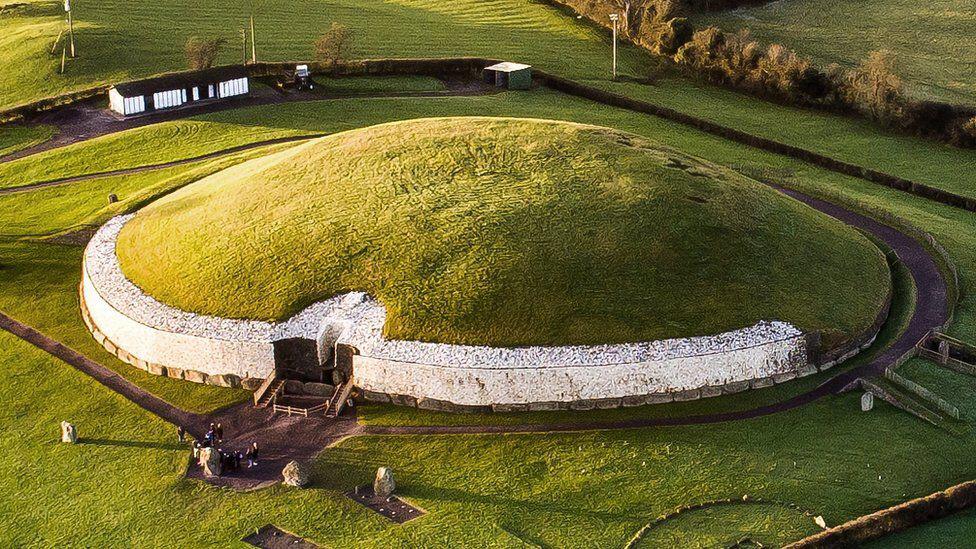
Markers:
<point>517,29</point>
<point>504,232</point>
<point>575,490</point>
<point>932,39</point>
<point>15,137</point>
<point>501,479</point>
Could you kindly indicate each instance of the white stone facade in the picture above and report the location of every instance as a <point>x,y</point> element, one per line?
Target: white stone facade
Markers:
<point>155,333</point>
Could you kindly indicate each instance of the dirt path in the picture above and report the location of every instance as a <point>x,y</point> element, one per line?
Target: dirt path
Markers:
<point>283,438</point>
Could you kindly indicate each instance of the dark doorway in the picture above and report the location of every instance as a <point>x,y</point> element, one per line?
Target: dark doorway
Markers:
<point>297,358</point>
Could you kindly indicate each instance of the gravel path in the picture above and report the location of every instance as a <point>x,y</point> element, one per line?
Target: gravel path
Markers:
<point>283,438</point>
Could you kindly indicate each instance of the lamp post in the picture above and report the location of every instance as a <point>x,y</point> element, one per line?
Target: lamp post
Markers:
<point>614,17</point>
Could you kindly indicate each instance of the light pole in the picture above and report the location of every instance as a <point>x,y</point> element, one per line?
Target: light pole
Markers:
<point>614,17</point>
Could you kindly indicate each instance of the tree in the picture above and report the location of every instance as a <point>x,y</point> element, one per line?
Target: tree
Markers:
<point>201,53</point>
<point>875,87</point>
<point>333,46</point>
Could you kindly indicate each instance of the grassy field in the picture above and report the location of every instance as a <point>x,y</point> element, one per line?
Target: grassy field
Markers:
<point>933,40</point>
<point>15,137</point>
<point>583,235</point>
<point>569,490</point>
<point>595,488</point>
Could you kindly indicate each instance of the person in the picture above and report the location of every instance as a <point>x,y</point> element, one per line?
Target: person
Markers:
<point>238,456</point>
<point>196,450</point>
<point>181,433</point>
<point>208,439</point>
<point>252,455</point>
<point>219,432</point>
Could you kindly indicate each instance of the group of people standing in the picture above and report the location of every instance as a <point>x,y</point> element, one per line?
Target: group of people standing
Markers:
<point>229,460</point>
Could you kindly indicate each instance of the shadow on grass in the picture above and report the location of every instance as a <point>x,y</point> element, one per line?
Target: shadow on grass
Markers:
<point>133,443</point>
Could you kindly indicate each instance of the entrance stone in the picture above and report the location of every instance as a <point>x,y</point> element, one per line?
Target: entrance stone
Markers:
<point>867,402</point>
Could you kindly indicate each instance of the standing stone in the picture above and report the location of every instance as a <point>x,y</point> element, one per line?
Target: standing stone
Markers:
<point>295,474</point>
<point>210,461</point>
<point>69,434</point>
<point>820,521</point>
<point>384,484</point>
<point>867,402</point>
<point>113,198</point>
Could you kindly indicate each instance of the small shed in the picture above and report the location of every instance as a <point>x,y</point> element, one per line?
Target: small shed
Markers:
<point>513,76</point>
<point>176,90</point>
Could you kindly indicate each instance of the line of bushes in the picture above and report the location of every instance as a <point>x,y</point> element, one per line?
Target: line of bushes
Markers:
<point>735,60</point>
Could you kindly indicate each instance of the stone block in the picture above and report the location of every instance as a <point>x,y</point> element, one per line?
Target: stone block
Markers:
<point>607,403</point>
<point>582,405</point>
<point>156,369</point>
<point>435,405</point>
<point>110,347</point>
<point>294,387</point>
<point>251,383</point>
<point>373,396</point>
<point>505,408</point>
<point>224,380</point>
<point>761,382</point>
<point>124,356</point>
<point>318,389</point>
<point>633,401</point>
<point>683,396</point>
<point>659,398</point>
<point>404,400</point>
<point>867,402</point>
<point>735,387</point>
<point>550,406</point>
<point>828,365</point>
<point>99,337</point>
<point>174,373</point>
<point>807,370</point>
<point>784,377</point>
<point>194,376</point>
<point>141,364</point>
<point>470,409</point>
<point>709,391</point>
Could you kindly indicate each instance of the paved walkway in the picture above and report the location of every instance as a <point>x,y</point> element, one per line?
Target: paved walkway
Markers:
<point>284,438</point>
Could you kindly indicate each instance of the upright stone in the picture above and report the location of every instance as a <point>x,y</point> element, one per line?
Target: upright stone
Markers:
<point>384,484</point>
<point>69,434</point>
<point>295,474</point>
<point>210,461</point>
<point>867,402</point>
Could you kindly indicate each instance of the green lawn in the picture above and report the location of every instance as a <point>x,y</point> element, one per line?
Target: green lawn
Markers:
<point>933,40</point>
<point>489,231</point>
<point>123,485</point>
<point>14,137</point>
<point>567,490</point>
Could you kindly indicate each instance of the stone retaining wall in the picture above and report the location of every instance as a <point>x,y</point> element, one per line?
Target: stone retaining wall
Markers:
<point>165,340</point>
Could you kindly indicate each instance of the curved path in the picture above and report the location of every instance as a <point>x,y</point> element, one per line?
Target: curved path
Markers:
<point>284,438</point>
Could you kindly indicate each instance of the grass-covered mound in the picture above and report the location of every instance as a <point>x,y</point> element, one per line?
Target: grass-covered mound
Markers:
<point>504,232</point>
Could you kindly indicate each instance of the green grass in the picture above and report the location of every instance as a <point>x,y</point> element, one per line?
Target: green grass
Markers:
<point>114,47</point>
<point>478,489</point>
<point>932,40</point>
<point>374,85</point>
<point>504,232</point>
<point>15,137</point>
<point>123,485</point>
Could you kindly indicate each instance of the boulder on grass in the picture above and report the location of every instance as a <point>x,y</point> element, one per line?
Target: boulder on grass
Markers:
<point>210,462</point>
<point>384,484</point>
<point>295,474</point>
<point>68,433</point>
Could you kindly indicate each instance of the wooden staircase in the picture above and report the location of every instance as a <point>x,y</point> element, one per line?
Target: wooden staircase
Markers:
<point>268,390</point>
<point>339,398</point>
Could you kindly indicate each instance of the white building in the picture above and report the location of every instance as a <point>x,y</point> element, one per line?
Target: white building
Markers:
<point>176,90</point>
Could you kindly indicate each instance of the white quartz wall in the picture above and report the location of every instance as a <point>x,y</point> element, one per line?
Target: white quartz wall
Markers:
<point>483,386</point>
<point>156,333</point>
